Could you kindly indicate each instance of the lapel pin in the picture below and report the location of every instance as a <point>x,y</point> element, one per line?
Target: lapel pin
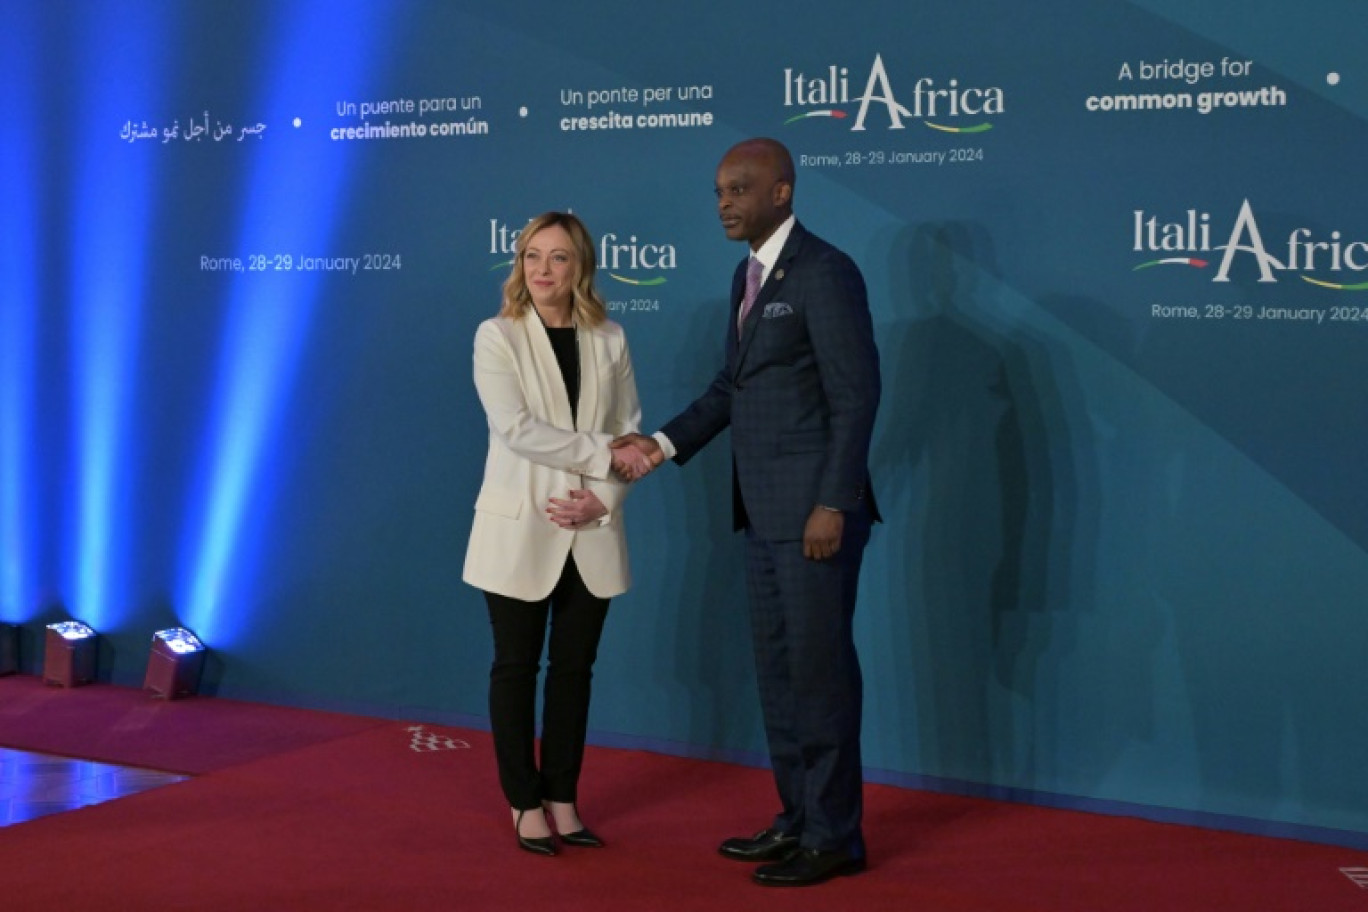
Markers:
<point>778,275</point>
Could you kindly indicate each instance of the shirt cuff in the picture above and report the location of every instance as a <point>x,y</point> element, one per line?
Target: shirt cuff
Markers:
<point>667,448</point>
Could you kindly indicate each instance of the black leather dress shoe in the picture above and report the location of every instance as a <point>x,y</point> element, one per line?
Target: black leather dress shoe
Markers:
<point>584,838</point>
<point>808,866</point>
<point>766,845</point>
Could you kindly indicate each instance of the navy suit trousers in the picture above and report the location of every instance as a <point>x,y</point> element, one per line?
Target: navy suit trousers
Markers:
<point>811,690</point>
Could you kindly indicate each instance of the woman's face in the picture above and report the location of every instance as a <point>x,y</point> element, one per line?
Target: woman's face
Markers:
<point>549,267</point>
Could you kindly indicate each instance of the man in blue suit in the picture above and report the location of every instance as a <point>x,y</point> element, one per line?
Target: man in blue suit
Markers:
<point>799,388</point>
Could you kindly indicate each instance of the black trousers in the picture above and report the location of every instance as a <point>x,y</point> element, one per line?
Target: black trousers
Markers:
<point>576,619</point>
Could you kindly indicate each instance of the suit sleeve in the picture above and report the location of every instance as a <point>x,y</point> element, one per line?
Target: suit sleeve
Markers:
<point>701,421</point>
<point>512,422</point>
<point>842,335</point>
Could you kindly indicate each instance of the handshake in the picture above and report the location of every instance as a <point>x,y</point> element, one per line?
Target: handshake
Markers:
<point>635,456</point>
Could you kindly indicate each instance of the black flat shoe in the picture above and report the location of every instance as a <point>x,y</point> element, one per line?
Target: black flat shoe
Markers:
<point>585,839</point>
<point>766,845</point>
<point>537,845</point>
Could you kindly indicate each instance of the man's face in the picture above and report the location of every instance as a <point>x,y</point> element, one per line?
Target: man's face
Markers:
<point>751,199</point>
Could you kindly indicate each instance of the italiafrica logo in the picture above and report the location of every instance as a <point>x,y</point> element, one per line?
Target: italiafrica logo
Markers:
<point>1187,241</point>
<point>932,105</point>
<point>617,257</point>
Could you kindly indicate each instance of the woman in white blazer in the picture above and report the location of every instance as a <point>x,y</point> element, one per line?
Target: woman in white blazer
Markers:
<point>547,545</point>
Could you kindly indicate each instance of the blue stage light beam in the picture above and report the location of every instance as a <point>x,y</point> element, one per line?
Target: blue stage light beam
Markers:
<point>19,254</point>
<point>296,193</point>
<point>122,50</point>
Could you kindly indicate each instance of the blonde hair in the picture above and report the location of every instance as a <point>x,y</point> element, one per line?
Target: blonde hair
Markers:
<point>589,309</point>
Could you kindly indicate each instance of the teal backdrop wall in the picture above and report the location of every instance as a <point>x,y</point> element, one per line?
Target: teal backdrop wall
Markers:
<point>1117,255</point>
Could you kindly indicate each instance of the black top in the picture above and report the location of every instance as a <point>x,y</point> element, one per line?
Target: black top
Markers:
<point>566,347</point>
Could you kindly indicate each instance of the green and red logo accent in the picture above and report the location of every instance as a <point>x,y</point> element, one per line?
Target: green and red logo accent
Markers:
<point>838,114</point>
<point>1202,264</point>
<point>830,112</point>
<point>645,283</point>
<point>1361,286</point>
<point>1174,261</point>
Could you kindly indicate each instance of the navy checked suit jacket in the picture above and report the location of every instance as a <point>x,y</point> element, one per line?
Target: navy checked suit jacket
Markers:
<point>799,389</point>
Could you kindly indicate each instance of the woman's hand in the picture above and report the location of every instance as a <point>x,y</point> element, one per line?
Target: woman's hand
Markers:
<point>581,510</point>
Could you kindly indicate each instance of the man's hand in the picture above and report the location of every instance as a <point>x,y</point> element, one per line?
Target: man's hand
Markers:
<point>635,455</point>
<point>822,534</point>
<point>581,510</point>
<point>629,463</point>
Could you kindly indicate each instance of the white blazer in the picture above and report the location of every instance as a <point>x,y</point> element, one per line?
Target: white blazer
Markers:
<point>536,452</point>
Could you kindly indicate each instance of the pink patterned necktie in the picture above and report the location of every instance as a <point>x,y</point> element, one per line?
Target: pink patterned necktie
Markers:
<point>753,272</point>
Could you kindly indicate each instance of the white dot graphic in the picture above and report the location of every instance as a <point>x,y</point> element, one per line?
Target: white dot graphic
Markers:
<point>1332,78</point>
<point>298,123</point>
<point>522,112</point>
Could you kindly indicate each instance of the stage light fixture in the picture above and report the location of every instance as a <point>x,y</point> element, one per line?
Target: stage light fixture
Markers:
<point>9,649</point>
<point>69,654</point>
<point>174,667</point>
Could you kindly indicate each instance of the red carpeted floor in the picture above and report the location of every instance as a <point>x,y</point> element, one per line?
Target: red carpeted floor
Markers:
<point>295,810</point>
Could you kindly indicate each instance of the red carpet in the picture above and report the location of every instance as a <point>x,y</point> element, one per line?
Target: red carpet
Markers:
<point>344,814</point>
<point>121,725</point>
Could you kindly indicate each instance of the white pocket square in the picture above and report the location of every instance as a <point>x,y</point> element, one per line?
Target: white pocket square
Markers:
<point>776,309</point>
